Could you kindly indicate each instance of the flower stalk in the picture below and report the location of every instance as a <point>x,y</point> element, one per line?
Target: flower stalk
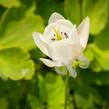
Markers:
<point>66,90</point>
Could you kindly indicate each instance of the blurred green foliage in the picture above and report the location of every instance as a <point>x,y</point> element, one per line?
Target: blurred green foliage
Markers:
<point>25,83</point>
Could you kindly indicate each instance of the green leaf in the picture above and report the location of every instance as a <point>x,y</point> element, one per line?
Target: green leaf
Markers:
<point>102,57</point>
<point>100,50</point>
<point>88,53</point>
<point>85,100</point>
<point>55,91</point>
<point>73,11</point>
<point>3,103</point>
<point>103,90</point>
<point>97,10</point>
<point>15,64</point>
<point>95,66</point>
<point>102,39</point>
<point>89,77</point>
<point>52,91</point>
<point>79,87</point>
<point>34,102</point>
<point>10,3</point>
<point>49,6</point>
<point>17,29</point>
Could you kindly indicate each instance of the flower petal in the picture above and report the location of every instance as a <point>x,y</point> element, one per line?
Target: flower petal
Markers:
<point>84,62</point>
<point>65,27</point>
<point>41,43</point>
<point>65,50</point>
<point>61,70</point>
<point>83,31</point>
<point>54,17</point>
<point>51,63</point>
<point>65,23</point>
<point>49,32</point>
<point>72,72</point>
<point>74,35</point>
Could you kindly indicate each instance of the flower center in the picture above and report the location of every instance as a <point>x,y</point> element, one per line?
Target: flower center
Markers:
<point>58,35</point>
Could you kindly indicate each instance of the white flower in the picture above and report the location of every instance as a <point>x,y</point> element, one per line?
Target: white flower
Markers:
<point>63,43</point>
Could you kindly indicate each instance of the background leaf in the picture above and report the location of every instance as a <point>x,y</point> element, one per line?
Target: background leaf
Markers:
<point>15,64</point>
<point>72,6</point>
<point>17,30</point>
<point>49,6</point>
<point>97,10</point>
<point>102,39</point>
<point>10,3</point>
<point>3,103</point>
<point>51,91</point>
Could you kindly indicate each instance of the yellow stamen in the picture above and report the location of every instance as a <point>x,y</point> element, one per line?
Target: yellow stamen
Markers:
<point>58,35</point>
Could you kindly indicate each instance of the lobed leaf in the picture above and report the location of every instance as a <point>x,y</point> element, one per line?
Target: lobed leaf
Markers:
<point>97,10</point>
<point>17,30</point>
<point>10,3</point>
<point>15,64</point>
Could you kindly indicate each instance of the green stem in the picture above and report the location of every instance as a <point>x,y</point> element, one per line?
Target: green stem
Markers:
<point>66,90</point>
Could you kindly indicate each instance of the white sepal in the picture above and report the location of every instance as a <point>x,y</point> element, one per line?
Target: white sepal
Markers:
<point>41,43</point>
<point>74,35</point>
<point>54,17</point>
<point>51,63</point>
<point>83,32</point>
<point>84,62</point>
<point>65,23</point>
<point>71,71</point>
<point>61,70</point>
